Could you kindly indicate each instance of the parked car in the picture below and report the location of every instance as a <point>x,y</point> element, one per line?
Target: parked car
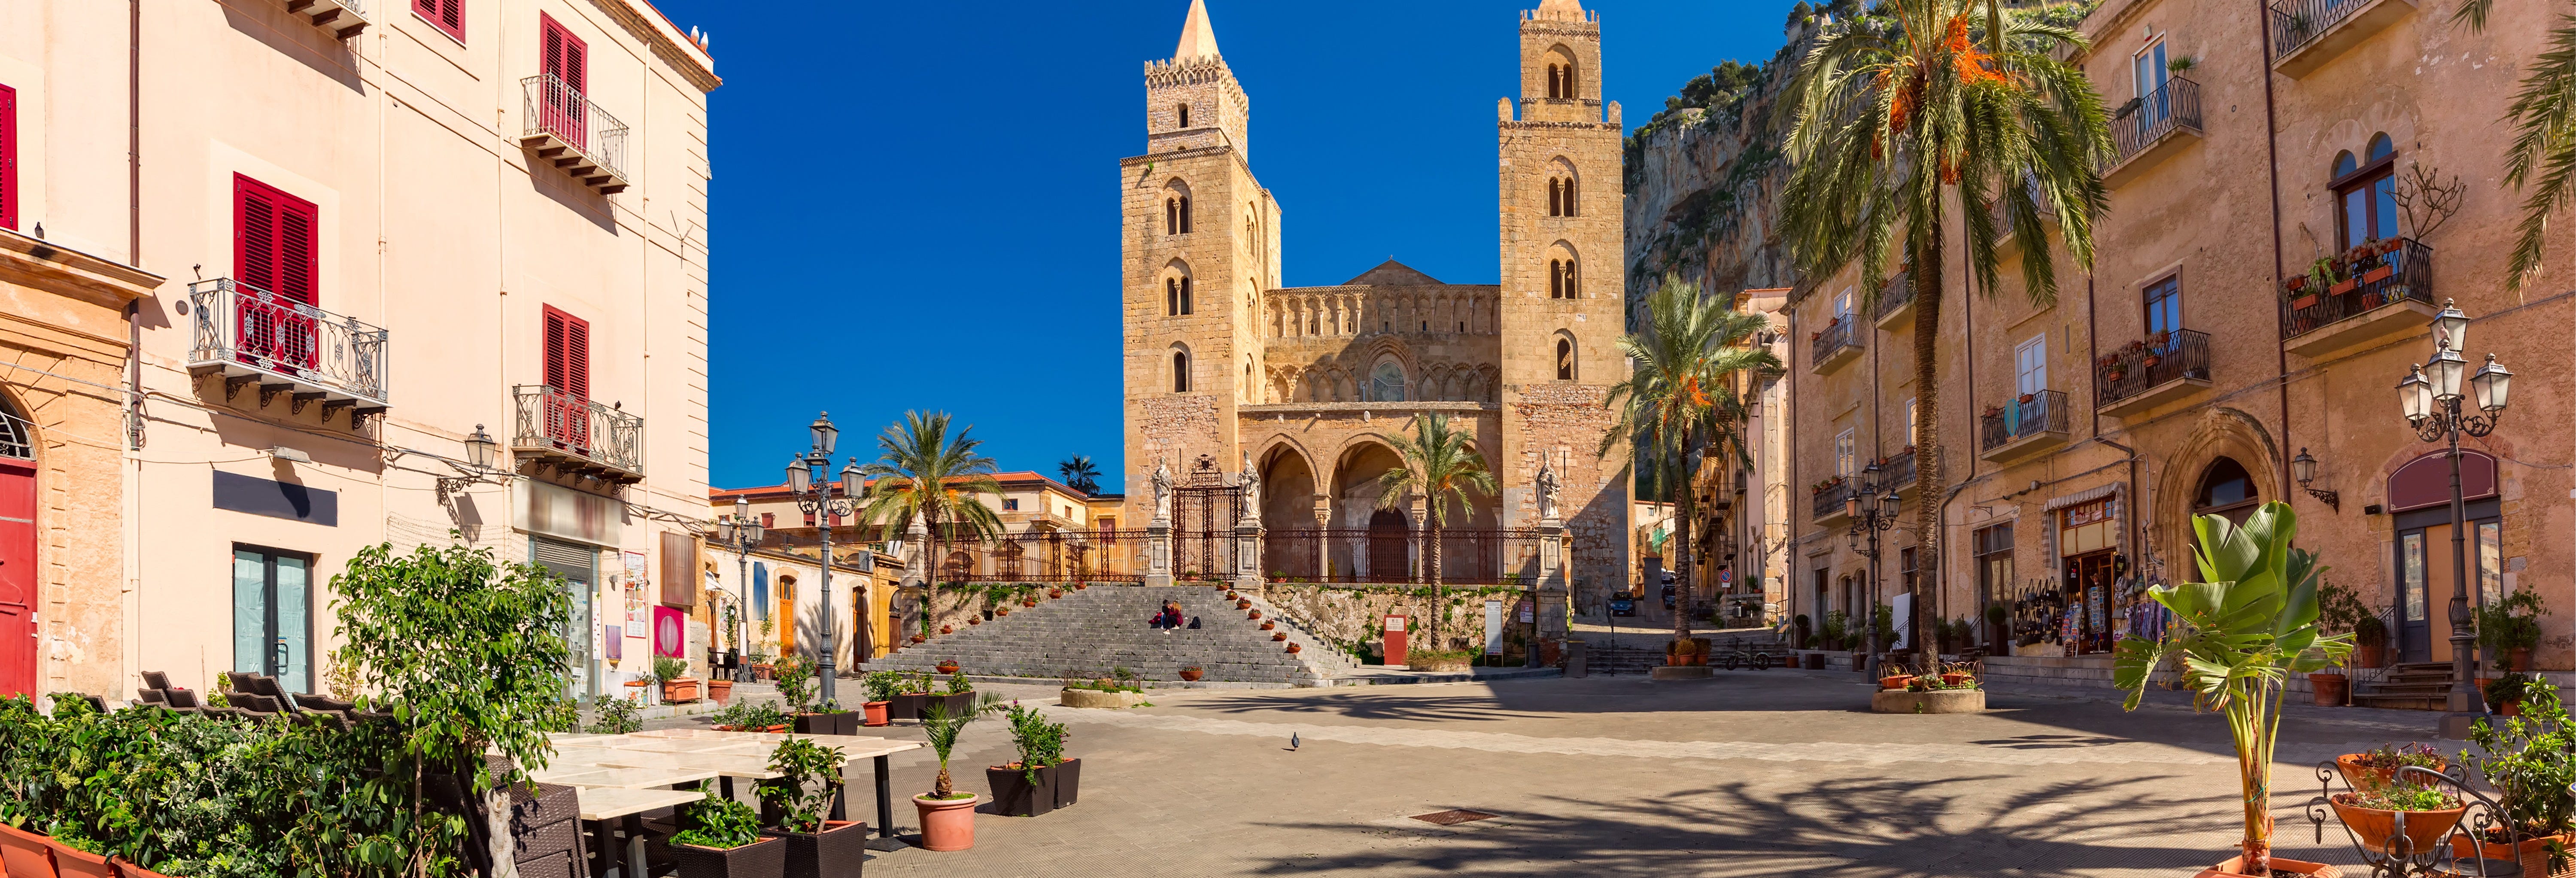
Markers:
<point>1623,604</point>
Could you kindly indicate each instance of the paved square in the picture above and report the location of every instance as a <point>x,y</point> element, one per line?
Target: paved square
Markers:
<point>1751,773</point>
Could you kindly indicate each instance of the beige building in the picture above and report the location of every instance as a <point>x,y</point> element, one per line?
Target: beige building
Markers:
<point>1229,371</point>
<point>387,228</point>
<point>2196,365</point>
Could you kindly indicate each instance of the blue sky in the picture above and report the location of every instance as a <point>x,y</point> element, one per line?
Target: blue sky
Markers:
<point>946,178</point>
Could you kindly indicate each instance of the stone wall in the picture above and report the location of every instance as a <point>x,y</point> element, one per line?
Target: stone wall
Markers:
<point>1352,615</point>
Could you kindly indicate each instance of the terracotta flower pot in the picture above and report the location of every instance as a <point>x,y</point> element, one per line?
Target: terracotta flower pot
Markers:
<point>1081,585</point>
<point>947,667</point>
<point>1192,674</point>
<point>2378,274</point>
<point>2521,658</point>
<point>1242,604</point>
<point>1293,649</point>
<point>2303,302</point>
<point>2366,778</point>
<point>2229,867</point>
<point>1895,681</point>
<point>25,853</point>
<point>2346,286</point>
<point>874,712</point>
<point>73,863</point>
<point>2532,853</point>
<point>682,689</point>
<point>2151,361</point>
<point>1955,679</point>
<point>2329,688</point>
<point>1029,603</point>
<point>127,869</point>
<point>2509,708</point>
<point>947,629</point>
<point>1265,626</point>
<point>1252,614</point>
<point>947,825</point>
<point>918,639</point>
<point>975,621</point>
<point>720,690</point>
<point>2370,655</point>
<point>2375,827</point>
<point>1001,611</point>
<point>1055,592</point>
<point>1278,636</point>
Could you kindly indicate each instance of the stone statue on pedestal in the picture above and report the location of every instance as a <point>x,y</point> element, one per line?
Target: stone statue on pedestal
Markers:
<point>1162,491</point>
<point>1251,490</point>
<point>1546,484</point>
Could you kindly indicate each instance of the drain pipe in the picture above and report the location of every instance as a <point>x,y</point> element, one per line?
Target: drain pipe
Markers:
<point>2272,167</point>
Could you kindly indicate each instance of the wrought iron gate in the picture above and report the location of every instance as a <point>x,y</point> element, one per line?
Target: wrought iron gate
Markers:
<point>1204,513</point>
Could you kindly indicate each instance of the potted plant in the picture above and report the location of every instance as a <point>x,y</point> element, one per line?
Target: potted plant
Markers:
<point>803,795</point>
<point>960,694</point>
<point>75,853</point>
<point>948,815</point>
<point>677,686</point>
<point>948,666</point>
<point>24,852</point>
<point>918,639</point>
<point>1293,649</point>
<point>947,629</point>
<point>2511,627</point>
<point>2505,693</point>
<point>1192,673</point>
<point>1041,779</point>
<point>1277,636</point>
<point>1053,593</point>
<point>2249,622</point>
<point>1895,681</point>
<point>2371,770</point>
<point>720,838</point>
<point>751,717</point>
<point>880,686</point>
<point>1001,611</point>
<point>1265,626</point>
<point>2372,816</point>
<point>910,697</point>
<point>2529,762</point>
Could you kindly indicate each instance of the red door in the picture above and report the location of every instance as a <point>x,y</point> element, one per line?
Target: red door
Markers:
<point>17,578</point>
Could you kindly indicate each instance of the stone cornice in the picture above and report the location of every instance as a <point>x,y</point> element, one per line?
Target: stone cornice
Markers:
<point>34,263</point>
<point>668,43</point>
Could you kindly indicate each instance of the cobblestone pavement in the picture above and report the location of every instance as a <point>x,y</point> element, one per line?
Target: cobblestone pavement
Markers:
<point>1753,773</point>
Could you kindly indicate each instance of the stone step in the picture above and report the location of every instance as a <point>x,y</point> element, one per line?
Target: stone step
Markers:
<point>1089,632</point>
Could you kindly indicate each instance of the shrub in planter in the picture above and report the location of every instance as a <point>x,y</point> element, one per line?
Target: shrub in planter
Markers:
<point>880,686</point>
<point>2529,763</point>
<point>2372,816</point>
<point>959,696</point>
<point>947,629</point>
<point>750,717</point>
<point>1033,784</point>
<point>2251,622</point>
<point>803,795</point>
<point>2370,770</point>
<point>720,838</point>
<point>948,667</point>
<point>1276,636</point>
<point>948,816</point>
<point>673,673</point>
<point>911,693</point>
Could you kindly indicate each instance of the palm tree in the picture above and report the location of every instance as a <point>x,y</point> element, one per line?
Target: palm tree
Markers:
<point>921,471</point>
<point>1080,473</point>
<point>2543,114</point>
<point>1681,397</point>
<point>1442,465</point>
<point>1930,106</point>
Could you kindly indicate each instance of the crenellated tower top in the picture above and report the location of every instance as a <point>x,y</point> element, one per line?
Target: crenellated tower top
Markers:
<point>1193,101</point>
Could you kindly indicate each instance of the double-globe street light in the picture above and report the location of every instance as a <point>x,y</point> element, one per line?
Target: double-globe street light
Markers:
<point>1869,518</point>
<point>817,499</point>
<point>741,533</point>
<point>2430,394</point>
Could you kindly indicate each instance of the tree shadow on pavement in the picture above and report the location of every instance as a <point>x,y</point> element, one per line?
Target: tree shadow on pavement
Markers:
<point>1974,825</point>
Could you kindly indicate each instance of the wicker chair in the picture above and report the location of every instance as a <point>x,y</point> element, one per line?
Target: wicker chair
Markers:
<point>242,693</point>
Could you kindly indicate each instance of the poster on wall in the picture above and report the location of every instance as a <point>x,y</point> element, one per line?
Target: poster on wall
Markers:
<point>670,632</point>
<point>616,644</point>
<point>1493,627</point>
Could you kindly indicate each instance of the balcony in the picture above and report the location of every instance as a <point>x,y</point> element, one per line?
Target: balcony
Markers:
<point>252,336</point>
<point>577,436</point>
<point>2386,295</point>
<point>2153,128</point>
<point>1896,301</point>
<point>343,18</point>
<point>2308,33</point>
<point>566,128</point>
<point>2024,427</point>
<point>2007,241</point>
<point>1829,501</point>
<point>1836,344</point>
<point>2151,372</point>
<point>1897,471</point>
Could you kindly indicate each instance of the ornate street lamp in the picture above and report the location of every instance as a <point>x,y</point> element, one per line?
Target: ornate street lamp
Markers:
<point>741,533</point>
<point>480,449</point>
<point>818,499</point>
<point>2305,468</point>
<point>2431,397</point>
<point>1868,520</point>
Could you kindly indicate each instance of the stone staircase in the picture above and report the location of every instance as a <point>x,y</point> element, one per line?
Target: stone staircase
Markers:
<point>2408,686</point>
<point>1616,660</point>
<point>1090,632</point>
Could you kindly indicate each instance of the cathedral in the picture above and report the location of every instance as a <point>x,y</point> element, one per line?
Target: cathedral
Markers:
<point>1288,397</point>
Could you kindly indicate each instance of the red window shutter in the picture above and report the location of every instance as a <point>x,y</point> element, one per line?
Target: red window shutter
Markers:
<point>567,353</point>
<point>566,56</point>
<point>554,342</point>
<point>446,15</point>
<point>254,234</point>
<point>8,157</point>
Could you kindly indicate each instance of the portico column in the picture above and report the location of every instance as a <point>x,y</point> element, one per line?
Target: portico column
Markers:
<point>1323,543</point>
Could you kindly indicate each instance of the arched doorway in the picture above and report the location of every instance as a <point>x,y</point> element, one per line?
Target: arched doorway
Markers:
<point>2419,504</point>
<point>2226,489</point>
<point>17,552</point>
<point>1390,541</point>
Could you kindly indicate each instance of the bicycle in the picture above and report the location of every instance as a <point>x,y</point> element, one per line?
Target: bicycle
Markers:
<point>1735,657</point>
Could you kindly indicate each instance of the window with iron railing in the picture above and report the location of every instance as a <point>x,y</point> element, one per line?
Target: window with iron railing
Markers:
<point>2360,280</point>
<point>2151,362</point>
<point>2143,121</point>
<point>2022,417</point>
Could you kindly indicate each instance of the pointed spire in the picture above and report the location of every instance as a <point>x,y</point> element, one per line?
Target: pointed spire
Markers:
<point>1198,38</point>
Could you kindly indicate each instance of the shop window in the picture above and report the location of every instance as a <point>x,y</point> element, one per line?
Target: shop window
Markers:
<point>2365,193</point>
<point>2226,489</point>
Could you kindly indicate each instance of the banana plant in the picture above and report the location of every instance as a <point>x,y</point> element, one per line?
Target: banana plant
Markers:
<point>2237,635</point>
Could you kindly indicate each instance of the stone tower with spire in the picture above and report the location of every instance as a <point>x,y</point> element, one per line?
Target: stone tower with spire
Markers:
<point>1200,245</point>
<point>1564,288</point>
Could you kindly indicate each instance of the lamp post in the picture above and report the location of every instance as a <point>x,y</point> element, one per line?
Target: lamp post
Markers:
<point>2430,396</point>
<point>817,498</point>
<point>1869,519</point>
<point>741,533</point>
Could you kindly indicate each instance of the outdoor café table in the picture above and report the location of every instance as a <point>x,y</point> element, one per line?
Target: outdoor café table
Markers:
<point>602,804</point>
<point>753,767</point>
<point>624,777</point>
<point>688,745</point>
<point>562,738</point>
<point>855,748</point>
<point>707,735</point>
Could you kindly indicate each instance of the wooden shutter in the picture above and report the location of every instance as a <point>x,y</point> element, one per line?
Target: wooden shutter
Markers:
<point>276,241</point>
<point>8,157</point>
<point>446,15</point>
<point>567,340</point>
<point>566,55</point>
<point>680,569</point>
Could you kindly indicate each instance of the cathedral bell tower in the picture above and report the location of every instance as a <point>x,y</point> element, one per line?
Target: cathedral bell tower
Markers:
<point>1199,248</point>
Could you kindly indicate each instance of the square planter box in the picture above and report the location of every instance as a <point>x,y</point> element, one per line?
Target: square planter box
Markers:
<point>681,690</point>
<point>957,703</point>
<point>1068,781</point>
<point>766,858</point>
<point>835,852</point>
<point>840,723</point>
<point>906,705</point>
<point>70,863</point>
<point>1014,796</point>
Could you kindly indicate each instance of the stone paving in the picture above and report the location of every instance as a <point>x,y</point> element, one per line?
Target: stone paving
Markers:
<point>1756,773</point>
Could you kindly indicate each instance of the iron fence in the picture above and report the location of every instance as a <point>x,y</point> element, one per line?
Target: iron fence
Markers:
<point>1468,556</point>
<point>2378,280</point>
<point>1829,502</point>
<point>2167,356</point>
<point>2028,415</point>
<point>2143,121</point>
<point>238,325</point>
<point>554,108</point>
<point>2296,23</point>
<point>1834,338</point>
<point>1898,293</point>
<point>1047,556</point>
<point>551,420</point>
<point>1898,469</point>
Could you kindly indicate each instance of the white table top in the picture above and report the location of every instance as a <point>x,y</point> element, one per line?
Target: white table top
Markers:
<point>707,735</point>
<point>754,767</point>
<point>687,745</point>
<point>628,777</point>
<point>603,803</point>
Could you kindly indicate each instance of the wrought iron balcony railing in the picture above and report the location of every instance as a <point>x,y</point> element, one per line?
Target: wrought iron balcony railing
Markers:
<point>2296,23</point>
<point>578,435</point>
<point>1894,297</point>
<point>2372,281</point>
<point>1898,470</point>
<point>2025,416</point>
<point>254,336</point>
<point>1833,340</point>
<point>566,127</point>
<point>2144,121</point>
<point>1829,502</point>
<point>2164,357</point>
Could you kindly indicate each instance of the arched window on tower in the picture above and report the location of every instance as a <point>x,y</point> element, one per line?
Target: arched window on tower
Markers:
<point>1183,111</point>
<point>1553,89</point>
<point>1185,214</point>
<point>1180,371</point>
<point>1185,296</point>
<point>1555,197</point>
<point>1171,216</point>
<point>1556,279</point>
<point>1564,359</point>
<point>1570,201</point>
<point>1171,297</point>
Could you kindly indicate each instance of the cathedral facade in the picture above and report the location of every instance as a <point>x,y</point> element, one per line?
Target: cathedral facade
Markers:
<point>1231,376</point>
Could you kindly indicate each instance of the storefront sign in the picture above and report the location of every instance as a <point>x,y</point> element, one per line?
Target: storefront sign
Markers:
<point>670,633</point>
<point>557,511</point>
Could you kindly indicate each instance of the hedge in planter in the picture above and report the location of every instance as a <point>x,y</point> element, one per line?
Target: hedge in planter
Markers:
<point>720,838</point>
<point>803,795</point>
<point>1041,780</point>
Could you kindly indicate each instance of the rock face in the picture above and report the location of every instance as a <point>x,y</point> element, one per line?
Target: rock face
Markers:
<point>1703,184</point>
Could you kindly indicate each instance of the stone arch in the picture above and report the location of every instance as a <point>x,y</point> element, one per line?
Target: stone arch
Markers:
<point>2219,432</point>
<point>1177,212</point>
<point>1178,289</point>
<point>1565,78</point>
<point>1565,357</point>
<point>1563,188</point>
<point>1180,374</point>
<point>1288,483</point>
<point>1564,271</point>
